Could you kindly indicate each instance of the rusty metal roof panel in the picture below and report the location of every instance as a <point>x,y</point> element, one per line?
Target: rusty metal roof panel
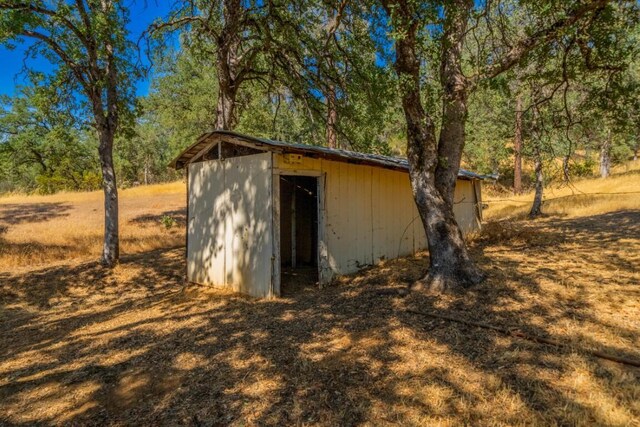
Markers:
<point>398,163</point>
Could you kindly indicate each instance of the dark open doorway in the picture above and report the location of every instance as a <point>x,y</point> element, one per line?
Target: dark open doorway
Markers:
<point>298,233</point>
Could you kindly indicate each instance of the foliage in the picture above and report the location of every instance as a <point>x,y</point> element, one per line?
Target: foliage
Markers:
<point>87,44</point>
<point>588,80</point>
<point>41,146</point>
<point>168,221</point>
<point>584,168</point>
<point>577,91</point>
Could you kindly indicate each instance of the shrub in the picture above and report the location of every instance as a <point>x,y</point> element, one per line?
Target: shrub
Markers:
<point>582,169</point>
<point>168,221</point>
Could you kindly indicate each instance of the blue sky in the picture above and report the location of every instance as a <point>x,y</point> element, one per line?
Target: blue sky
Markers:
<point>142,13</point>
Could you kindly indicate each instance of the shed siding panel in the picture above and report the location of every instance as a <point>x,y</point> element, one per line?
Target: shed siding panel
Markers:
<point>370,213</point>
<point>206,223</point>
<point>230,224</point>
<point>376,215</point>
<point>406,246</point>
<point>365,220</point>
<point>391,196</point>
<point>332,213</point>
<point>345,235</point>
<point>464,206</point>
<point>380,215</point>
<point>248,265</point>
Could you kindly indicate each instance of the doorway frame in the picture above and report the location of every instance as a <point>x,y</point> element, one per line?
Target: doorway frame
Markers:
<point>321,250</point>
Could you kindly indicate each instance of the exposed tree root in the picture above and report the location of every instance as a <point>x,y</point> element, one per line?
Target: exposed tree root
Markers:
<point>519,334</point>
<point>442,281</point>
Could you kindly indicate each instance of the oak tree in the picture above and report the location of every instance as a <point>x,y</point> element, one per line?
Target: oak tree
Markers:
<point>434,148</point>
<point>86,41</point>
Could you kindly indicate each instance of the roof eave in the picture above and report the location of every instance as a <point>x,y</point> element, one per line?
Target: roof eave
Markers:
<point>311,151</point>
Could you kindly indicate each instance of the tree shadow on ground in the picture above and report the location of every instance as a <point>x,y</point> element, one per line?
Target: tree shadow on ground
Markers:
<point>178,215</point>
<point>134,345</point>
<point>18,213</point>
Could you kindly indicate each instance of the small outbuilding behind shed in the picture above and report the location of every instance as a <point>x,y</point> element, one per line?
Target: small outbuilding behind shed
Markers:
<point>257,208</point>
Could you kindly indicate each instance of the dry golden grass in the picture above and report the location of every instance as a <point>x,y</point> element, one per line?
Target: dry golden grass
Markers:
<point>581,198</point>
<point>132,346</point>
<point>37,230</point>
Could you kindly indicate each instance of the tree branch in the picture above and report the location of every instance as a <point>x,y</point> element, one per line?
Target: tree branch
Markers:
<point>526,45</point>
<point>37,9</point>
<point>75,68</point>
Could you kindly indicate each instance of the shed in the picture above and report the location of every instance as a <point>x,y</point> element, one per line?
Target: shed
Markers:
<point>259,211</point>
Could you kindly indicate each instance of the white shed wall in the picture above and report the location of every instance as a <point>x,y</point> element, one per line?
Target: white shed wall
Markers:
<point>370,214</point>
<point>230,224</point>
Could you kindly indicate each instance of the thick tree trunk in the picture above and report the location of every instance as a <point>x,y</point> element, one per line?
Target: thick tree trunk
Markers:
<point>433,165</point>
<point>332,118</point>
<point>517,148</point>
<point>228,64</point>
<point>536,207</point>
<point>111,244</point>
<point>450,266</point>
<point>605,157</point>
<point>225,110</point>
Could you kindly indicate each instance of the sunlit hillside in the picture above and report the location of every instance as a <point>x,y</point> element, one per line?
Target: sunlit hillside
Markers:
<point>91,338</point>
<point>38,229</point>
<point>584,197</point>
<point>42,229</point>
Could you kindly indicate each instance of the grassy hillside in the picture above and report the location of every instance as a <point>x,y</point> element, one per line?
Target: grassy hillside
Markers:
<point>83,345</point>
<point>37,230</point>
<point>580,198</point>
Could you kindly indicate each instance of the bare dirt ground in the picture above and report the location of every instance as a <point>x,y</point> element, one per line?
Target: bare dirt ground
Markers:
<point>81,345</point>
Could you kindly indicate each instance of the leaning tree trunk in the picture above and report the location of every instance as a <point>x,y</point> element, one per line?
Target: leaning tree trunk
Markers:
<point>433,165</point>
<point>536,207</point>
<point>517,148</point>
<point>605,157</point>
<point>111,244</point>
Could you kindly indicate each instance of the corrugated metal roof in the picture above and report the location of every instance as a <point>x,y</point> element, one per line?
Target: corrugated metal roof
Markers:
<point>388,162</point>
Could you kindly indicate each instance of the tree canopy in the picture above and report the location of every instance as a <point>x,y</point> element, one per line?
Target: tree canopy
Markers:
<point>530,91</point>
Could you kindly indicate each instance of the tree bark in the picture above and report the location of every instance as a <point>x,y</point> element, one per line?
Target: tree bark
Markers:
<point>433,165</point>
<point>536,207</point>
<point>605,156</point>
<point>565,168</point>
<point>107,122</point>
<point>225,110</point>
<point>111,244</point>
<point>517,148</point>
<point>146,170</point>
<point>228,64</point>
<point>332,118</point>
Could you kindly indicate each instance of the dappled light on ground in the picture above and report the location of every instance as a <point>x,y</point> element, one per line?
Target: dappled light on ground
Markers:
<point>134,346</point>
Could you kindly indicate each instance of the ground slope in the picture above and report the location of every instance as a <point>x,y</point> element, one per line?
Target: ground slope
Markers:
<point>37,230</point>
<point>134,346</point>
